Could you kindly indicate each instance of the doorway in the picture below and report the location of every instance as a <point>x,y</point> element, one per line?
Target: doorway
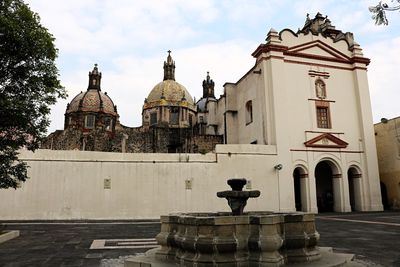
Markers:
<point>324,186</point>
<point>354,176</point>
<point>385,201</point>
<point>299,174</point>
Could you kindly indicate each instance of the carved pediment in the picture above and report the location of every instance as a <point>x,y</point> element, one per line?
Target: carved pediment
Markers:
<point>317,49</point>
<point>326,140</point>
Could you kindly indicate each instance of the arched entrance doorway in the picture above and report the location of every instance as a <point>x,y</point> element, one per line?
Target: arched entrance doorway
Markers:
<point>299,174</point>
<point>354,176</point>
<point>324,172</point>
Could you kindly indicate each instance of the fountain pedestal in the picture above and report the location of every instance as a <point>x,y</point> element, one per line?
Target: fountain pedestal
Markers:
<point>237,199</point>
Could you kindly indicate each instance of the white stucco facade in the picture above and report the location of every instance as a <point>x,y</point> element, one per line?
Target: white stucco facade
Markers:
<point>284,93</point>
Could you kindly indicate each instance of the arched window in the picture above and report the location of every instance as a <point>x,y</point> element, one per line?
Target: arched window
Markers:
<point>108,123</point>
<point>249,112</point>
<point>153,118</point>
<point>89,121</point>
<point>174,116</point>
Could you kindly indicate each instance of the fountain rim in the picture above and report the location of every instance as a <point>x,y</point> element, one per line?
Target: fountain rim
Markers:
<point>225,218</point>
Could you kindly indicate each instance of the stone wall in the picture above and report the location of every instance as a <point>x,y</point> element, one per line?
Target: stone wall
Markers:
<point>387,136</point>
<point>133,140</point>
<point>206,143</point>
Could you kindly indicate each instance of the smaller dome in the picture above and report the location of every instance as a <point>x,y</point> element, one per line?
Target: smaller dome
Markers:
<point>92,101</point>
<point>201,105</point>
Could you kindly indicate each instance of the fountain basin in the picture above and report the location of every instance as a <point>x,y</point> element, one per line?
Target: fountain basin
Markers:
<point>252,239</point>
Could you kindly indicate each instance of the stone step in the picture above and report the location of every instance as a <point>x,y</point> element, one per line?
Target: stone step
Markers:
<point>328,259</point>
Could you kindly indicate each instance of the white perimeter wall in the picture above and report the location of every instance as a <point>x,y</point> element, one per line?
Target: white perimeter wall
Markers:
<point>70,184</point>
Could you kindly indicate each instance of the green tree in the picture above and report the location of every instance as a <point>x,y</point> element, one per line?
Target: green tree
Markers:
<point>29,84</point>
<point>379,11</point>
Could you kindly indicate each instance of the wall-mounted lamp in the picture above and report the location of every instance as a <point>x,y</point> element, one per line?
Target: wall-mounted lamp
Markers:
<point>278,167</point>
<point>257,71</point>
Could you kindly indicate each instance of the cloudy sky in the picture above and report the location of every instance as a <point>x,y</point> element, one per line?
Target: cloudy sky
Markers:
<point>129,40</point>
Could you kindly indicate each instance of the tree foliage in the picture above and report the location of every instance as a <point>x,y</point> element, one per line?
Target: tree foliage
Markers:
<point>379,11</point>
<point>29,84</point>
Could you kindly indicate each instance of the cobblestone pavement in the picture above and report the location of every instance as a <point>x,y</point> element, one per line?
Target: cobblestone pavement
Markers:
<point>373,237</point>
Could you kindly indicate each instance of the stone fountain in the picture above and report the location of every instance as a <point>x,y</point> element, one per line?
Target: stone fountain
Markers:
<point>237,199</point>
<point>235,239</point>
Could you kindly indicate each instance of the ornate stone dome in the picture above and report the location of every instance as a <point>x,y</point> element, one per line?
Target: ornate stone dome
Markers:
<point>93,100</point>
<point>169,92</point>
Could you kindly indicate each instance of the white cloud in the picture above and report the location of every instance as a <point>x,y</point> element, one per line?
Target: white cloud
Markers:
<point>129,39</point>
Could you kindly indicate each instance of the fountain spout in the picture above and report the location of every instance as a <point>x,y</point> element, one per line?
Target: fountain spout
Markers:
<point>237,199</point>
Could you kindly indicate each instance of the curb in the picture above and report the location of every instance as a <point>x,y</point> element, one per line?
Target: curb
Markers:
<point>7,235</point>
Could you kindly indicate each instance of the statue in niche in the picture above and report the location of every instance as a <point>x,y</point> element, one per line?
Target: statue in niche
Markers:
<point>320,89</point>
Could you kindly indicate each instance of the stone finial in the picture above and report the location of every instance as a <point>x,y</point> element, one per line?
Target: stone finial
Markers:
<point>169,68</point>
<point>273,37</point>
<point>356,49</point>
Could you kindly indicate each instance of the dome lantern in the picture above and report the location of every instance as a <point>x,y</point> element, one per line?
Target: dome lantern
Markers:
<point>169,68</point>
<point>208,87</point>
<point>92,108</point>
<point>94,78</point>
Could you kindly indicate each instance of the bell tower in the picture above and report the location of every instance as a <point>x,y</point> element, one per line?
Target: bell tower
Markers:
<point>208,87</point>
<point>94,79</point>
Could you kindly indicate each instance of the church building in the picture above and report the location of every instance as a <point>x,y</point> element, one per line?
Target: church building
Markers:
<point>305,103</point>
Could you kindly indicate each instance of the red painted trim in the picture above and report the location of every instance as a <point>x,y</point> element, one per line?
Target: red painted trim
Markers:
<point>317,57</point>
<point>318,43</point>
<point>264,48</point>
<point>269,57</point>
<point>320,150</point>
<point>314,73</point>
<point>322,65</point>
<point>339,143</point>
<point>323,132</point>
<point>322,100</point>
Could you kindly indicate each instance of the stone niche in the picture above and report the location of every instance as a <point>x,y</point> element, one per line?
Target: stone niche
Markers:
<point>253,239</point>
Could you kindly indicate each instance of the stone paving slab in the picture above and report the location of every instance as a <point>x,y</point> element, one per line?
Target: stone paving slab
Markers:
<point>67,243</point>
<point>373,237</point>
<point>328,259</point>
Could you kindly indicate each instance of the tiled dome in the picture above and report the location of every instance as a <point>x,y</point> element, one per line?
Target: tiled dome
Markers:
<point>93,100</point>
<point>171,91</point>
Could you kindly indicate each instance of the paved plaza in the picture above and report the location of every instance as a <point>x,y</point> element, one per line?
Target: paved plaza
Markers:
<point>373,237</point>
